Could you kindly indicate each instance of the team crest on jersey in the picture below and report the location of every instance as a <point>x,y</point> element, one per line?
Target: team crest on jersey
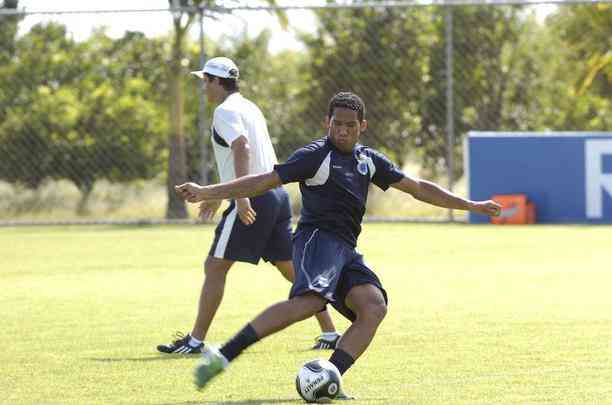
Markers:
<point>363,164</point>
<point>362,168</point>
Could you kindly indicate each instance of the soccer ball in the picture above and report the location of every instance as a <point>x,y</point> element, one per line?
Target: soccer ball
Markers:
<point>318,381</point>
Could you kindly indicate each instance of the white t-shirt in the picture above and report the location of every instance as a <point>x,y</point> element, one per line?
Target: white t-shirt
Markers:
<point>236,117</point>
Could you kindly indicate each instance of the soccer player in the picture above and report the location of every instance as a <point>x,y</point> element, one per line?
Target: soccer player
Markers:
<point>250,229</point>
<point>334,175</point>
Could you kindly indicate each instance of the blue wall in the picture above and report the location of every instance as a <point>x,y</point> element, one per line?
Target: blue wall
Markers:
<point>567,175</point>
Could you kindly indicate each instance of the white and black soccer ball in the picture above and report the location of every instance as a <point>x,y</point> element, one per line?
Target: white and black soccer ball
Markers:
<point>318,381</point>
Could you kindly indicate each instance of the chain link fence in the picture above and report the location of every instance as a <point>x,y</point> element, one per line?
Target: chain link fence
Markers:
<point>96,126</point>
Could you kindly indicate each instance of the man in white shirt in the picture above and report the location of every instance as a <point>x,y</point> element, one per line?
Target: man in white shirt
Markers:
<point>250,229</point>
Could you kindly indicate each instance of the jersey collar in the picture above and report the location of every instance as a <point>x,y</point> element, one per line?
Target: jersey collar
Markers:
<point>236,93</point>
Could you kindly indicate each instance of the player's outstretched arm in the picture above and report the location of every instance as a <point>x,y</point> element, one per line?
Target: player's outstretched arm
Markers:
<point>247,186</point>
<point>432,193</point>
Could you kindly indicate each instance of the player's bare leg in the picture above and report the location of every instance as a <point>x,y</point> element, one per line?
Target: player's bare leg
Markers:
<point>325,322</point>
<point>282,314</point>
<point>285,267</point>
<point>211,295</point>
<point>368,303</point>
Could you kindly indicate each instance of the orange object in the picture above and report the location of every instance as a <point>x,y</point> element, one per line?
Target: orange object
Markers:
<point>531,213</point>
<point>515,209</point>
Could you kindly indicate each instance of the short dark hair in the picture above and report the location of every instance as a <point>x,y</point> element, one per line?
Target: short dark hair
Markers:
<point>346,99</point>
<point>227,84</point>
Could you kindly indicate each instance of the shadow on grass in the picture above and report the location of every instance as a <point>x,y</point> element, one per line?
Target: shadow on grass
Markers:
<point>266,401</point>
<point>238,402</point>
<point>144,359</point>
<point>158,357</point>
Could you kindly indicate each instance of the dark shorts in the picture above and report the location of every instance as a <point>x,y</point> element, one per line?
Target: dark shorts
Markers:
<point>330,267</point>
<point>269,237</point>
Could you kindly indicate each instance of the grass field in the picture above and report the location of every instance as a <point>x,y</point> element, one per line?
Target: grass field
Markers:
<point>478,315</point>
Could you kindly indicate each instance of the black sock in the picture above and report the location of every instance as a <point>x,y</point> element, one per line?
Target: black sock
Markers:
<point>243,339</point>
<point>342,360</point>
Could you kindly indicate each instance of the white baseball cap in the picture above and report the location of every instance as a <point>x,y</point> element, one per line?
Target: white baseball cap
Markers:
<point>220,67</point>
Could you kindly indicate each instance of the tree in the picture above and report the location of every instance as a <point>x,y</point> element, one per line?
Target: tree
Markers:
<point>580,70</point>
<point>395,58</point>
<point>82,121</point>
<point>32,116</point>
<point>486,65</point>
<point>573,24</point>
<point>8,30</point>
<point>561,80</point>
<point>374,53</point>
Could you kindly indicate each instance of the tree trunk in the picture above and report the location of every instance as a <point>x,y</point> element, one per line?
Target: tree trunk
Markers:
<point>83,204</point>
<point>177,162</point>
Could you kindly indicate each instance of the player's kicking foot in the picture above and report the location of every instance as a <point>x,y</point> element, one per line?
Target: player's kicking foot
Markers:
<point>342,396</point>
<point>326,341</point>
<point>211,364</point>
<point>181,345</point>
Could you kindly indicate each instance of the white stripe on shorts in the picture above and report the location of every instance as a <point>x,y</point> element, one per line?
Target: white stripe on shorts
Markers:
<point>310,285</point>
<point>225,233</point>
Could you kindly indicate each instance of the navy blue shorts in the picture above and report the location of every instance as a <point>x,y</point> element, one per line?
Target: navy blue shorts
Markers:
<point>330,267</point>
<point>269,237</point>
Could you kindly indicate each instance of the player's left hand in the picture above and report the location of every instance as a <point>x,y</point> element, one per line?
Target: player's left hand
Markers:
<point>208,209</point>
<point>246,213</point>
<point>488,207</point>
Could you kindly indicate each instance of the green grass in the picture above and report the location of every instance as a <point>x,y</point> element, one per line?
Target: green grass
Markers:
<point>478,315</point>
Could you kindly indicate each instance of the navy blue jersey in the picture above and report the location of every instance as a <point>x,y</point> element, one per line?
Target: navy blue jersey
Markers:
<point>334,185</point>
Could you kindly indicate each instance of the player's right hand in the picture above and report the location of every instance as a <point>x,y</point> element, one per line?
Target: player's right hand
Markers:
<point>246,213</point>
<point>208,209</point>
<point>191,192</point>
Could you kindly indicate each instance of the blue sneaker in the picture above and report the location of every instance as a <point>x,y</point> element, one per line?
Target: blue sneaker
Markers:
<point>211,364</point>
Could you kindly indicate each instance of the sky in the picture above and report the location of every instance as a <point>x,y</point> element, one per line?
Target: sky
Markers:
<point>159,23</point>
